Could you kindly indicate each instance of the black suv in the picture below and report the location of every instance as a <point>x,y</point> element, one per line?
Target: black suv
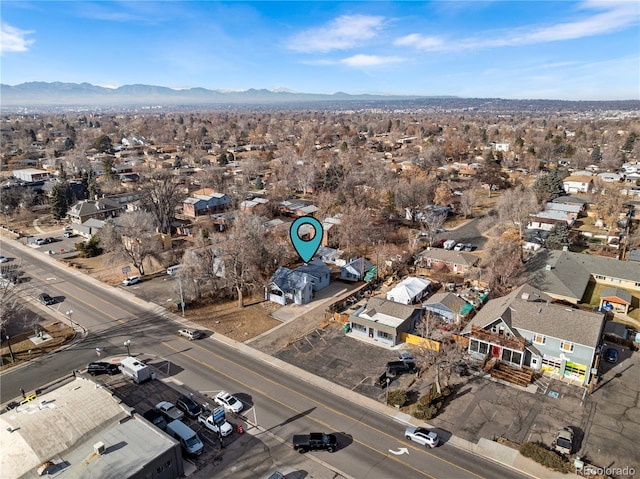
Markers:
<point>189,406</point>
<point>100,367</point>
<point>397,368</point>
<point>46,299</point>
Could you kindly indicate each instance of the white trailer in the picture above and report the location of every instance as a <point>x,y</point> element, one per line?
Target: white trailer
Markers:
<point>136,370</point>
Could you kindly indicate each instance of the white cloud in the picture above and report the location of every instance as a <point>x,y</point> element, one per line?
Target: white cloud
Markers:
<point>342,33</point>
<point>13,39</point>
<point>369,60</point>
<point>420,42</point>
<point>611,16</point>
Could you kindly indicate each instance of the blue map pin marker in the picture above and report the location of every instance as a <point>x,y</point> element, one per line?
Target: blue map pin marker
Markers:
<point>306,248</point>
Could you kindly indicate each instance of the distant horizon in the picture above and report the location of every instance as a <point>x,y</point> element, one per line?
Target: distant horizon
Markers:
<point>565,50</point>
<point>294,92</point>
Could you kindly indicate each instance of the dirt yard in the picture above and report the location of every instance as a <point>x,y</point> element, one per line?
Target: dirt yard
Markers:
<point>225,318</point>
<point>22,349</point>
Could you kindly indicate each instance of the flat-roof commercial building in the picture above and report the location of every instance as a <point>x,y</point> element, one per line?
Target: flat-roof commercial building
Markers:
<point>80,430</point>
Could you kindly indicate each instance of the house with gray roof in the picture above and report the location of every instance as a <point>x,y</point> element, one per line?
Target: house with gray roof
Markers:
<point>384,321</point>
<point>566,275</point>
<point>447,307</point>
<point>525,329</point>
<point>455,261</point>
<point>297,285</point>
<point>101,209</point>
<point>355,269</point>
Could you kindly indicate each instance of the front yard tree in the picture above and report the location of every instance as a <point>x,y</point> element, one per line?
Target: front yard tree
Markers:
<point>246,255</point>
<point>609,203</point>
<point>160,196</point>
<point>503,268</point>
<point>431,222</point>
<point>134,239</point>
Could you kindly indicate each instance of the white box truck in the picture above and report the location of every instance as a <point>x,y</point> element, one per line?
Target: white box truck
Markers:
<point>136,370</point>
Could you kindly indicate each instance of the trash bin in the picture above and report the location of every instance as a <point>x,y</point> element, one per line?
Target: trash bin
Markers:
<point>347,328</point>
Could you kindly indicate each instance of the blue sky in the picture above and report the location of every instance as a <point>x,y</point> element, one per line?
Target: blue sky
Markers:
<point>584,50</point>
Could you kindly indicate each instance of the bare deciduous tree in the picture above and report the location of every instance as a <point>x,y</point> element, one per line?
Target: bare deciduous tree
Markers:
<point>133,239</point>
<point>502,265</point>
<point>160,195</point>
<point>515,207</point>
<point>468,203</point>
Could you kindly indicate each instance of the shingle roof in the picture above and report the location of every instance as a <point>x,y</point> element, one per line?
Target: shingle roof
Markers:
<point>450,256</point>
<point>616,293</point>
<point>388,308</point>
<point>450,300</point>
<point>537,315</point>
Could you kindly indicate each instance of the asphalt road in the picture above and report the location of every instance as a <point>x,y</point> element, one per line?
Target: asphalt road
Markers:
<point>284,405</point>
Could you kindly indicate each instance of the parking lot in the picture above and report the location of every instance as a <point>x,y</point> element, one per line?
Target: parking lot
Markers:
<point>146,395</point>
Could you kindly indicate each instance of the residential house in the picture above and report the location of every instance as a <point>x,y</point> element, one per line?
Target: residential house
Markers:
<point>102,209</point>
<point>298,285</point>
<point>566,275</point>
<point>297,208</point>
<point>410,290</point>
<point>383,320</point>
<point>330,227</point>
<point>547,219</point>
<point>572,200</point>
<point>610,177</point>
<point>355,270</point>
<point>569,209</point>
<point>330,255</point>
<point>31,174</point>
<point>525,329</point>
<point>89,228</point>
<point>200,205</point>
<point>577,184</point>
<point>455,261</point>
<point>447,307</point>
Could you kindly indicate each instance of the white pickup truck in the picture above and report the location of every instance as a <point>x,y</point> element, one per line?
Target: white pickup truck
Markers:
<point>223,427</point>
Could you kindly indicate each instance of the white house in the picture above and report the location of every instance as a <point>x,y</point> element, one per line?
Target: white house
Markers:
<point>298,285</point>
<point>577,184</point>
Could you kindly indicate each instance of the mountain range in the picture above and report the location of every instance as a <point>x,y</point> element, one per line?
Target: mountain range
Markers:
<point>75,94</point>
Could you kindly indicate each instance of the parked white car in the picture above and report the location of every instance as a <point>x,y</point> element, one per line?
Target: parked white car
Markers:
<point>227,401</point>
<point>223,427</point>
<point>131,280</point>
<point>422,436</point>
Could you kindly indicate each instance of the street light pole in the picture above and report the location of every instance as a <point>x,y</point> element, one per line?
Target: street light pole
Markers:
<point>10,350</point>
<point>69,313</point>
<point>6,215</point>
<point>127,343</point>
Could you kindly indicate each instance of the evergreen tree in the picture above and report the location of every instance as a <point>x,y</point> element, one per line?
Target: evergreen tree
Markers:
<point>59,200</point>
<point>558,236</point>
<point>549,186</point>
<point>107,166</point>
<point>629,142</point>
<point>222,160</point>
<point>596,154</point>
